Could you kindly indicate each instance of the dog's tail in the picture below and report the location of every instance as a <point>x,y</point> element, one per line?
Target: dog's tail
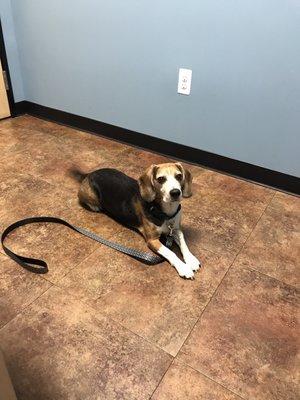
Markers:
<point>77,174</point>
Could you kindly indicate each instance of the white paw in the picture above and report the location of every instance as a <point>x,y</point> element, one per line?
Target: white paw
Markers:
<point>193,262</point>
<point>185,271</point>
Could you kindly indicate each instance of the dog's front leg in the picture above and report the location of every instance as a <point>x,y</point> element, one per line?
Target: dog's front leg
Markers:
<point>188,257</point>
<point>183,269</point>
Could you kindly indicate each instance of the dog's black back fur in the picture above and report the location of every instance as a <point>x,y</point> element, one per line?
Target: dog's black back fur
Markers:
<point>116,192</point>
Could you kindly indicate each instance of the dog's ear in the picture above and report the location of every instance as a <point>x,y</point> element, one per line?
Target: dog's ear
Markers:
<point>186,181</point>
<point>146,184</point>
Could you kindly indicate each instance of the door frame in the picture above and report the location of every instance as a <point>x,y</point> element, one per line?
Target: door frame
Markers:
<point>3,57</point>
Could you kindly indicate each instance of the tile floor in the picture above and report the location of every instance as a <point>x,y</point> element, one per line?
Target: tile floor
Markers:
<point>100,325</point>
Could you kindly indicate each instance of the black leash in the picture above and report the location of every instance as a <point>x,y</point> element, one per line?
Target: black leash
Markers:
<point>40,267</point>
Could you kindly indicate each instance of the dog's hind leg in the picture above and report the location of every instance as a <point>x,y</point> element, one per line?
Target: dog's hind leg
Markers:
<point>87,196</point>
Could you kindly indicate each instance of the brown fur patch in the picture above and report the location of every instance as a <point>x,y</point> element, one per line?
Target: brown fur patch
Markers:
<point>87,196</point>
<point>147,228</point>
<point>186,183</point>
<point>167,168</point>
<point>154,244</point>
<point>146,183</point>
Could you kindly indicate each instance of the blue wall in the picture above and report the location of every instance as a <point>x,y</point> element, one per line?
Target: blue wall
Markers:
<point>117,62</point>
<point>11,49</point>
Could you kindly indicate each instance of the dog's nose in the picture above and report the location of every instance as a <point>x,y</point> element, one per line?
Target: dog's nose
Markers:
<point>175,193</point>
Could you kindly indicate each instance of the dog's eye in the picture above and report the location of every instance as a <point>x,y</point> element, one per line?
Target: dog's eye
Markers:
<point>178,177</point>
<point>161,179</point>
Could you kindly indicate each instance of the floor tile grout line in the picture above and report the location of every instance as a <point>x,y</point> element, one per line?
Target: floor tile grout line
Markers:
<point>97,246</point>
<point>142,337</point>
<point>212,380</point>
<point>197,319</point>
<point>160,381</point>
<point>67,273</point>
<point>233,255</point>
<point>57,284</point>
<point>226,273</point>
<point>272,277</point>
<point>91,309</point>
<point>273,207</point>
<point>93,312</point>
<point>201,313</point>
<point>108,237</point>
<point>256,223</point>
<point>118,323</point>
<point>27,305</point>
<point>215,291</point>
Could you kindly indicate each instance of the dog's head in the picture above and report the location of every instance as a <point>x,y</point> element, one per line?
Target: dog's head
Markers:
<point>166,182</point>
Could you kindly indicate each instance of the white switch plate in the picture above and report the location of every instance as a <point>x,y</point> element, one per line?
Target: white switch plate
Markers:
<point>184,81</point>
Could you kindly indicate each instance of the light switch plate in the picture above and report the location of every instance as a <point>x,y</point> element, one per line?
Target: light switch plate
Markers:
<point>184,81</point>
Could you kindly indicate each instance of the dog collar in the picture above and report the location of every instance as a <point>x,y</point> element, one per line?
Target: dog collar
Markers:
<point>157,215</point>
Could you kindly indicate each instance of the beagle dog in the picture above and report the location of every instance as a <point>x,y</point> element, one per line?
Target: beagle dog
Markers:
<point>150,204</point>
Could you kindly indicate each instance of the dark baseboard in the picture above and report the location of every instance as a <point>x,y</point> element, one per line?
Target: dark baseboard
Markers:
<point>19,108</point>
<point>227,165</point>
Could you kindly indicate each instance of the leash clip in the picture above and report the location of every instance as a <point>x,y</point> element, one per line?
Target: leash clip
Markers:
<point>170,237</point>
<point>171,229</point>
